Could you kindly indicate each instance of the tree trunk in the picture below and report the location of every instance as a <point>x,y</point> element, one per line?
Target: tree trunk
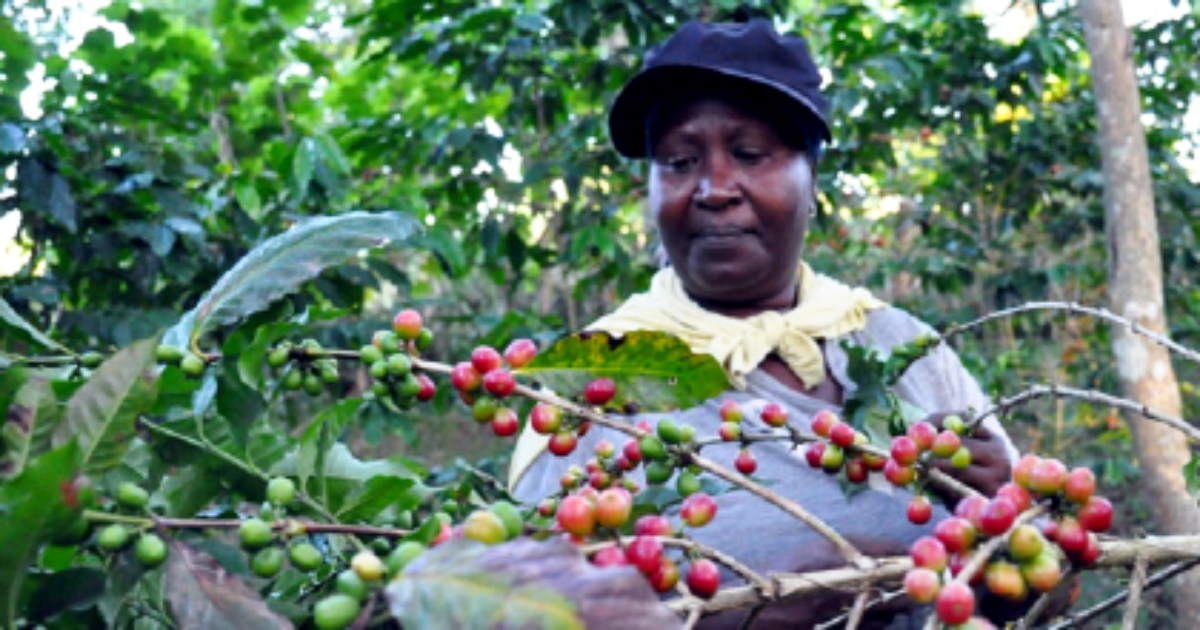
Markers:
<point>1136,283</point>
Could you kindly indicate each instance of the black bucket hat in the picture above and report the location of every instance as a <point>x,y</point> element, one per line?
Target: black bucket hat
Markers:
<point>751,53</point>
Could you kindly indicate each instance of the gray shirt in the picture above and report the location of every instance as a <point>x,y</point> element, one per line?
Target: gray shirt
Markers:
<point>763,536</point>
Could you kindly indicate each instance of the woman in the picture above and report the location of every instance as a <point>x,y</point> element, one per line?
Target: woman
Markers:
<point>731,119</point>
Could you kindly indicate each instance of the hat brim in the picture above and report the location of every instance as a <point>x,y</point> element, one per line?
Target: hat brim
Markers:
<point>627,117</point>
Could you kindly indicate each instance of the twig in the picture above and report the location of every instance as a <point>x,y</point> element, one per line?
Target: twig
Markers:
<point>748,622</point>
<point>857,610</point>
<point>1092,396</point>
<point>291,526</point>
<point>1075,619</point>
<point>1137,580</point>
<point>793,508</point>
<point>844,617</point>
<point>1077,309</point>
<point>764,585</point>
<point>693,617</point>
<point>890,569</point>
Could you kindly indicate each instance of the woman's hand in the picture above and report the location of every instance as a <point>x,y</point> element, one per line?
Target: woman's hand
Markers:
<point>990,467</point>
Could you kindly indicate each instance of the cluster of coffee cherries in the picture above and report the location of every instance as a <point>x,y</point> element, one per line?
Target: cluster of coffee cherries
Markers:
<point>190,363</point>
<point>149,548</point>
<point>484,382</point>
<point>389,358</point>
<point>730,430</point>
<point>1029,559</point>
<point>596,503</point>
<point>305,366</point>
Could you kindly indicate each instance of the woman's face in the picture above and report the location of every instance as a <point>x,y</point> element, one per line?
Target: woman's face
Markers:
<point>732,202</point>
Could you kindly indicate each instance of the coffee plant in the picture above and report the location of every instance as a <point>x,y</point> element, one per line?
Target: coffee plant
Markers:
<point>167,484</point>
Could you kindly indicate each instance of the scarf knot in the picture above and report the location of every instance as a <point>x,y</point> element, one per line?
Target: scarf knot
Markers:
<point>827,309</point>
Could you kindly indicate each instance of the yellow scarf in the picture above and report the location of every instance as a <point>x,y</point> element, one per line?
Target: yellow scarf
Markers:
<point>827,309</point>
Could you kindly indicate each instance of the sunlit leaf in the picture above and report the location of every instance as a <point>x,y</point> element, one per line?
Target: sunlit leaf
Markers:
<point>14,320</point>
<point>280,265</point>
<point>653,371</point>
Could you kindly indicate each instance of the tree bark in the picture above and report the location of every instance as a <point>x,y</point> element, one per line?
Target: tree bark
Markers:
<point>1136,283</point>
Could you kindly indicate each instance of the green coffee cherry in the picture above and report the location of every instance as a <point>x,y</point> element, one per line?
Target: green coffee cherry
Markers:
<point>659,472</point>
<point>424,339</point>
<point>389,342</point>
<point>313,385</point>
<point>335,612</point>
<point>379,370</point>
<point>668,432</point>
<point>687,483</point>
<point>255,533</point>
<point>399,365</point>
<point>293,379</point>
<point>267,562</point>
<point>409,387</point>
<point>350,584</point>
<point>402,555</point>
<point>131,495</point>
<point>169,355</point>
<point>369,355</point>
<point>514,525</point>
<point>150,550</point>
<point>91,360</point>
<point>305,556</point>
<point>279,356</point>
<point>381,389</point>
<point>281,491</point>
<point>114,537</point>
<point>192,365</point>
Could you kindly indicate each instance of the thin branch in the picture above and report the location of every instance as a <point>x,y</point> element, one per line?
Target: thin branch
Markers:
<point>693,617</point>
<point>859,607</point>
<point>841,619</point>
<point>764,584</point>
<point>291,526</point>
<point>1092,396</point>
<point>1077,309</point>
<point>1075,619</point>
<point>1137,580</point>
<point>750,619</point>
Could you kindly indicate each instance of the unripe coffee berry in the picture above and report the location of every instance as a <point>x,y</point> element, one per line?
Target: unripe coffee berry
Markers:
<point>305,556</point>
<point>255,533</point>
<point>150,550</point>
<point>335,612</point>
<point>281,491</point>
<point>267,562</point>
<point>131,495</point>
<point>407,324</point>
<point>113,537</point>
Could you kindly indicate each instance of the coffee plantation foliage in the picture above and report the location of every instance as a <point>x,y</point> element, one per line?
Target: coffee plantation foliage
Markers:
<point>176,139</point>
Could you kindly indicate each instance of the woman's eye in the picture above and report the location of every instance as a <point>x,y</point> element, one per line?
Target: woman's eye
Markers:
<point>749,156</point>
<point>679,163</point>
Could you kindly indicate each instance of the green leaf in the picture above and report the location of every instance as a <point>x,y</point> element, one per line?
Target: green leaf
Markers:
<point>281,264</point>
<point>102,414</point>
<point>203,594</point>
<point>10,317</point>
<point>33,508</point>
<point>29,424</point>
<point>522,584</point>
<point>653,371</point>
<point>320,436</point>
<point>377,495</point>
<point>1191,474</point>
<point>76,588</point>
<point>304,164</point>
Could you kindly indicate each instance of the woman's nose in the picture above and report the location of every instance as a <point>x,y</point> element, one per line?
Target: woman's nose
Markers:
<point>718,186</point>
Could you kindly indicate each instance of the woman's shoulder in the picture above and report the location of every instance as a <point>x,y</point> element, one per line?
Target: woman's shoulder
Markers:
<point>892,325</point>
